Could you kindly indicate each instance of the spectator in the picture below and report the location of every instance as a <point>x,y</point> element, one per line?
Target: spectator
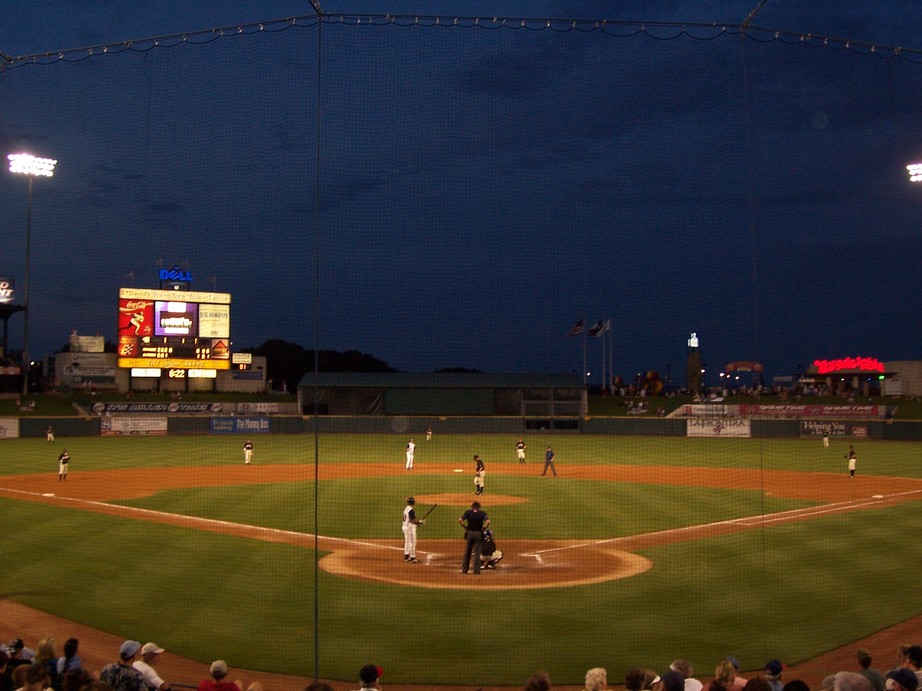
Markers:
<point>121,675</point>
<point>903,680</point>
<point>318,686</point>
<point>6,680</point>
<point>796,685</point>
<point>596,679</point>
<point>757,684</point>
<point>76,680</point>
<point>684,667</point>
<point>27,653</point>
<point>901,656</point>
<point>19,676</point>
<point>16,651</point>
<point>773,671</point>
<point>850,681</point>
<point>874,676</point>
<point>149,654</point>
<point>36,677</point>
<point>369,675</point>
<point>46,655</point>
<point>725,672</point>
<point>914,660</point>
<point>673,681</point>
<point>738,681</point>
<point>70,661</point>
<point>539,681</point>
<point>217,683</point>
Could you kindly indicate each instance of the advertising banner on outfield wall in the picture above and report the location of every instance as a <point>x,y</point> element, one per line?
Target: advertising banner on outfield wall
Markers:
<point>240,425</point>
<point>794,411</point>
<point>9,427</point>
<point>173,408</point>
<point>817,428</point>
<point>137,425</point>
<point>718,427</point>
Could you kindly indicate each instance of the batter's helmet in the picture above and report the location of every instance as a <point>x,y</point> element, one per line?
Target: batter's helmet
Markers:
<point>411,500</point>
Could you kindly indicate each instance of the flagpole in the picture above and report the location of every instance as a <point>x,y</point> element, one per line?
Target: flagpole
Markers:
<point>585,340</point>
<point>611,358</point>
<point>603,359</point>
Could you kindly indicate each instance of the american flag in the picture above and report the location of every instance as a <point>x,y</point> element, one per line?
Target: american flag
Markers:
<point>577,328</point>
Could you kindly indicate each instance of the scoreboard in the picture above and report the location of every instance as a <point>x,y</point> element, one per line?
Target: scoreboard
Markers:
<point>175,330</point>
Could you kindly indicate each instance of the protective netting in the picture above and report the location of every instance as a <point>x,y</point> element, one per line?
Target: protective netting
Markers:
<point>457,194</point>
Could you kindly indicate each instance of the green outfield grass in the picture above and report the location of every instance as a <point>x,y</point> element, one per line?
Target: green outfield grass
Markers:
<point>790,591</point>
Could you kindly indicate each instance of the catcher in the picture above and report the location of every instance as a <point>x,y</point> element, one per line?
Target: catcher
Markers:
<point>489,554</point>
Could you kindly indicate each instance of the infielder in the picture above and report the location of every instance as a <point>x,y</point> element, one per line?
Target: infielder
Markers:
<point>410,521</point>
<point>479,473</point>
<point>852,461</point>
<point>520,450</point>
<point>63,460</point>
<point>247,452</point>
<point>411,453</point>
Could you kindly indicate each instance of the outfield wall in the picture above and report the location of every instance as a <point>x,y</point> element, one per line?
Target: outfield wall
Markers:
<point>910,430</point>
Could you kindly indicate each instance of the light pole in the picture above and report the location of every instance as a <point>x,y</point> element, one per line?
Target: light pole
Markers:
<point>30,166</point>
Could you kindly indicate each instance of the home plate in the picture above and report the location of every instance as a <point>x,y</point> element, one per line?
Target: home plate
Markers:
<point>458,470</point>
<point>48,494</point>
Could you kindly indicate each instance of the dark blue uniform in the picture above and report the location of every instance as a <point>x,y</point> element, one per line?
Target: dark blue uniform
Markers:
<point>474,521</point>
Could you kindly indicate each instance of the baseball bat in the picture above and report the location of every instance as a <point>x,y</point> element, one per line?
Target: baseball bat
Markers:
<point>429,511</point>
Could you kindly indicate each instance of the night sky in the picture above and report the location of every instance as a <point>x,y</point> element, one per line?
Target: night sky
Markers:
<point>481,187</point>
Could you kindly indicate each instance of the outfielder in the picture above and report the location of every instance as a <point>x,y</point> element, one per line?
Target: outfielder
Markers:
<point>852,461</point>
<point>411,453</point>
<point>410,521</point>
<point>247,452</point>
<point>479,473</point>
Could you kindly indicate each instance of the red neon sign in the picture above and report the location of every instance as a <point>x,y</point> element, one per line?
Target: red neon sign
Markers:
<point>868,364</point>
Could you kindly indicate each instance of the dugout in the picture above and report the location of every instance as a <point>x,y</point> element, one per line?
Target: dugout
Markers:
<point>543,400</point>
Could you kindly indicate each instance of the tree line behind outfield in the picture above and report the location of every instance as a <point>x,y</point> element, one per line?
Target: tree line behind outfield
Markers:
<point>289,362</point>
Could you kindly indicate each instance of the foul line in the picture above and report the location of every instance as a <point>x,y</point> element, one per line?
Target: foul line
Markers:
<point>196,519</point>
<point>746,521</point>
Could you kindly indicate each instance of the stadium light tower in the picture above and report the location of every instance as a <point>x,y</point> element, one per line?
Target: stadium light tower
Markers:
<point>30,166</point>
<point>915,172</point>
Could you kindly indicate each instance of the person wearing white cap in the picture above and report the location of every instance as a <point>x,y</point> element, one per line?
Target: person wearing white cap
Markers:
<point>153,681</point>
<point>121,675</point>
<point>217,681</point>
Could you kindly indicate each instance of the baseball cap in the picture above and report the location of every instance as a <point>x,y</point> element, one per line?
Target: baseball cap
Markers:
<point>15,644</point>
<point>773,668</point>
<point>129,649</point>
<point>219,667</point>
<point>904,677</point>
<point>370,673</point>
<point>149,648</point>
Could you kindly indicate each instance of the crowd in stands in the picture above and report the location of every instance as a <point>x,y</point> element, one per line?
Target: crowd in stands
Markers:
<point>134,669</point>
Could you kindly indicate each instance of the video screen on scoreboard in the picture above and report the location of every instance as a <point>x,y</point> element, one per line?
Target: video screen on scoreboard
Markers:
<point>173,329</point>
<point>172,318</point>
